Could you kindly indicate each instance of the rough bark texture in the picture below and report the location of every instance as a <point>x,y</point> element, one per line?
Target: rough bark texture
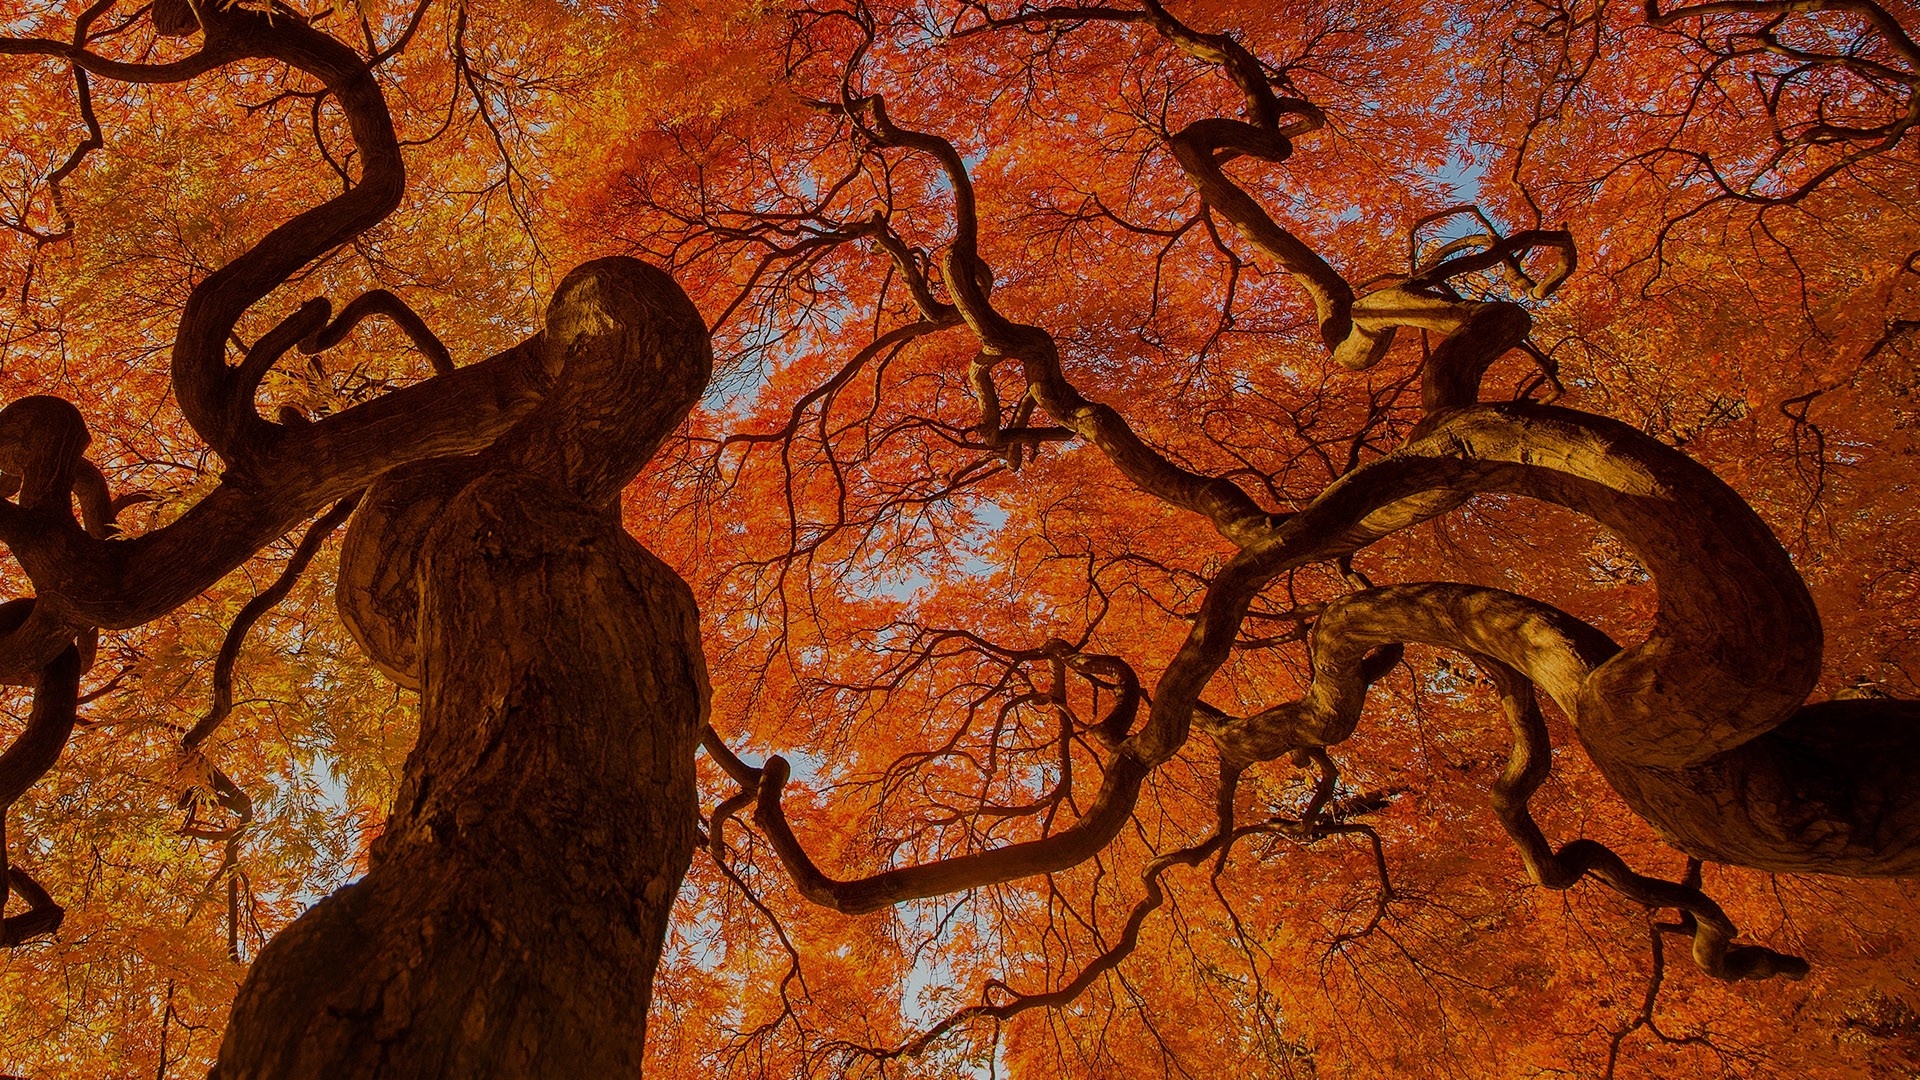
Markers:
<point>516,905</point>
<point>515,908</point>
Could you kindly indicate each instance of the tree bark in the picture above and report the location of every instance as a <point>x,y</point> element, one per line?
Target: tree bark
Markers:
<point>516,906</point>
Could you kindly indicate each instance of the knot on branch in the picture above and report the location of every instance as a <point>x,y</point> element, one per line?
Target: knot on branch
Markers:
<point>1218,140</point>
<point>629,355</point>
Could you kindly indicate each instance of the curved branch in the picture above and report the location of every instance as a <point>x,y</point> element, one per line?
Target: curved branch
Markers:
<point>1200,148</point>
<point>1522,643</point>
<point>1722,681</point>
<point>1881,19</point>
<point>243,417</point>
<point>970,281</point>
<point>42,916</point>
<point>1082,840</point>
<point>55,699</point>
<point>88,582</point>
<point>381,302</point>
<point>1699,727</point>
<point>203,383</point>
<point>1562,868</point>
<point>279,475</point>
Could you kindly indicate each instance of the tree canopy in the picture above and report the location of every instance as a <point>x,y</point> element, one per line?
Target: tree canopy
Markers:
<point>1139,468</point>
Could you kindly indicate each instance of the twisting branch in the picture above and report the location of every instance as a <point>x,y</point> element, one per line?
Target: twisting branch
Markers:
<point>1357,330</point>
<point>1562,868</point>
<point>55,697</point>
<point>1500,630</point>
<point>279,475</point>
<point>305,321</point>
<point>1689,711</point>
<point>203,382</point>
<point>969,282</point>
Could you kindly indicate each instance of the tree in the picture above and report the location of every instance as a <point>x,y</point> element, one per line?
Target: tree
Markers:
<point>1040,638</point>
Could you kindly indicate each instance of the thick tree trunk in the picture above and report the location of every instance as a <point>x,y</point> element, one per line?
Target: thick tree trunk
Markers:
<point>516,906</point>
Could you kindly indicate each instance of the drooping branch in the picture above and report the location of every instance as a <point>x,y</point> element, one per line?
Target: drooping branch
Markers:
<point>49,724</point>
<point>25,761</point>
<point>265,601</point>
<point>1096,827</point>
<point>1561,868</point>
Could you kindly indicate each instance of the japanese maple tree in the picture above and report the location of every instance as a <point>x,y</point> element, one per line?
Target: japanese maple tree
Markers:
<point>1117,479</point>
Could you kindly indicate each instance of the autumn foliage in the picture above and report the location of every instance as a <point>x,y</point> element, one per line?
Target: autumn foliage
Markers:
<point>1047,340</point>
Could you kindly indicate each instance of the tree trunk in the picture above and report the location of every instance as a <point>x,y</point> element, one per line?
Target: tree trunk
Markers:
<point>516,906</point>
